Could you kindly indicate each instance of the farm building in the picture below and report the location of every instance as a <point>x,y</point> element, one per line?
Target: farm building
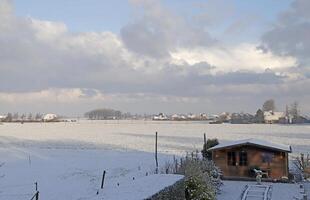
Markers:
<point>272,117</point>
<point>238,159</point>
<point>50,118</point>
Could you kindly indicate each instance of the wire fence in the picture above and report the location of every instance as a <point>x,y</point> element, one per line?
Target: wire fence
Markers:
<point>18,191</point>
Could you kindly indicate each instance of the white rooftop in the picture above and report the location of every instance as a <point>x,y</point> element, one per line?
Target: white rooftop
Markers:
<point>255,142</point>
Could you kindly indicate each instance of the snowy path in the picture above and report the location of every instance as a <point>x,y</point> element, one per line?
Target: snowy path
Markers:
<point>232,190</point>
<point>257,192</point>
<point>307,189</point>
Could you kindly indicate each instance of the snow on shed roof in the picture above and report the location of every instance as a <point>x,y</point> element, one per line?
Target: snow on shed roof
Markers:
<point>254,142</point>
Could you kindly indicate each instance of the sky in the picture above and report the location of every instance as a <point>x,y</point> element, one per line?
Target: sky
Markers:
<point>151,56</point>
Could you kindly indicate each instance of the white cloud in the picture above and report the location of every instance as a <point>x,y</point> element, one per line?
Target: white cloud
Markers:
<point>235,58</point>
<point>47,96</point>
<point>47,30</point>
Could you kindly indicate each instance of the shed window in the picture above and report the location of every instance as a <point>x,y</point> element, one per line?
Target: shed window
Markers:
<point>267,157</point>
<point>231,158</point>
<point>243,158</point>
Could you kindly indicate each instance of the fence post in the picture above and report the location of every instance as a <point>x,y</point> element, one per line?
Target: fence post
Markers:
<point>37,195</point>
<point>156,160</point>
<point>102,181</point>
<point>204,139</point>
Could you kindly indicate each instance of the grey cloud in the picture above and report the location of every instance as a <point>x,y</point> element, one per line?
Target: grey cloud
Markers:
<point>290,35</point>
<point>159,31</point>
<point>137,62</point>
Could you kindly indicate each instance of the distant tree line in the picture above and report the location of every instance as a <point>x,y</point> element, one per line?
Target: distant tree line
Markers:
<point>105,113</point>
<point>12,117</point>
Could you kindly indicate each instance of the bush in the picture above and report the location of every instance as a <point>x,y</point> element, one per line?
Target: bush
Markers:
<point>198,185</point>
<point>202,178</point>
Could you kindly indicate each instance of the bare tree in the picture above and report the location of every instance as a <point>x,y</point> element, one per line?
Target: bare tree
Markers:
<point>29,116</point>
<point>38,116</point>
<point>294,110</point>
<point>9,117</point>
<point>269,105</point>
<point>15,116</point>
<point>302,163</point>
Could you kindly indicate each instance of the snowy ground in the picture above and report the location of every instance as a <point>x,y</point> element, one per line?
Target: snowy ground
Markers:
<point>67,159</point>
<point>231,190</point>
<point>66,174</point>
<point>174,137</point>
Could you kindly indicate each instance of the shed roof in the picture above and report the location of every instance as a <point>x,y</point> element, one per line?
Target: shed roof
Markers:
<point>253,142</point>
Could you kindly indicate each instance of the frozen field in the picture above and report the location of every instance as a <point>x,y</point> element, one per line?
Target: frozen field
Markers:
<point>174,137</point>
<point>67,159</point>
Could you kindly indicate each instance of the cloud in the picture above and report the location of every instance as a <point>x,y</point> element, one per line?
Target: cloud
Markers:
<point>47,96</point>
<point>290,35</point>
<point>240,57</point>
<point>160,61</point>
<point>157,31</point>
<point>6,8</point>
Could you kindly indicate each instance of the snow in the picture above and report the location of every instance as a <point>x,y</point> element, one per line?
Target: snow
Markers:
<point>252,141</point>
<point>67,159</point>
<point>70,174</point>
<point>140,188</point>
<point>307,188</point>
<point>232,190</point>
<point>174,137</point>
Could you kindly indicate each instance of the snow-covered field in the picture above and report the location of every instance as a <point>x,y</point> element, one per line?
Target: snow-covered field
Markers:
<point>67,159</point>
<point>174,137</point>
<point>71,174</point>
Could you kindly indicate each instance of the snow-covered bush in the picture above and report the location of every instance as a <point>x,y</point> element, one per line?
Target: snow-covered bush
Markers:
<point>202,177</point>
<point>198,184</point>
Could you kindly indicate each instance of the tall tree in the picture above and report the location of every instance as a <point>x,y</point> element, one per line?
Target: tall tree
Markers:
<point>29,116</point>
<point>269,105</point>
<point>259,116</point>
<point>15,116</point>
<point>294,110</point>
<point>9,117</point>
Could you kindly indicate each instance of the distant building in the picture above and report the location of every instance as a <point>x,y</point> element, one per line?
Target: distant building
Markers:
<point>175,117</point>
<point>203,116</point>
<point>238,159</point>
<point>192,117</point>
<point>160,117</point>
<point>271,117</point>
<point>225,117</point>
<point>50,118</point>
<point>2,118</point>
<point>242,118</point>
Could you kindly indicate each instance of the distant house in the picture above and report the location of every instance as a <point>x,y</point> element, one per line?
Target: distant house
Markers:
<point>2,118</point>
<point>271,117</point>
<point>242,118</point>
<point>238,159</point>
<point>50,117</point>
<point>160,117</point>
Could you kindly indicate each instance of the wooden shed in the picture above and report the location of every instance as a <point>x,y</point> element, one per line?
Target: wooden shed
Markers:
<point>238,159</point>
